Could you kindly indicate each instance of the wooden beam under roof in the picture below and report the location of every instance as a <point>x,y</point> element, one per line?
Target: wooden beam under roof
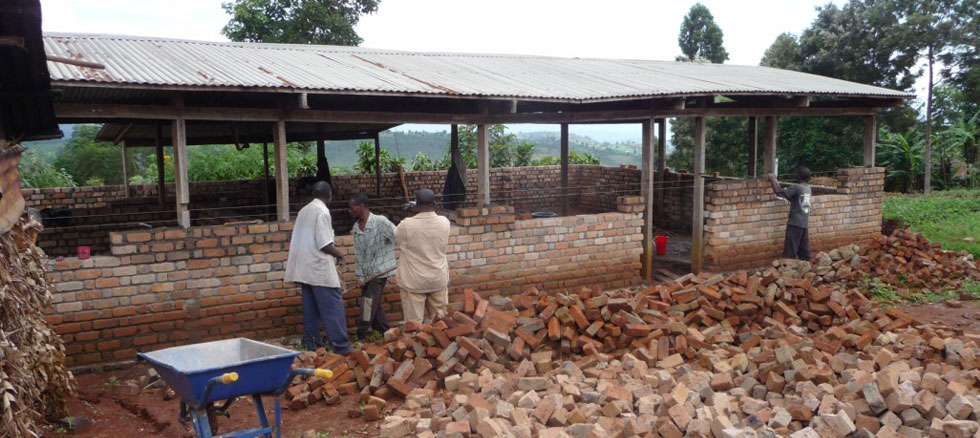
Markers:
<point>74,112</point>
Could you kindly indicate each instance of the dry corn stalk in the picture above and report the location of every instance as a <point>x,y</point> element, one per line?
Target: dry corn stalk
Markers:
<point>34,382</point>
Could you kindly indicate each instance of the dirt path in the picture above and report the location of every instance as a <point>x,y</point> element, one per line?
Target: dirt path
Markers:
<point>117,415</point>
<point>961,315</point>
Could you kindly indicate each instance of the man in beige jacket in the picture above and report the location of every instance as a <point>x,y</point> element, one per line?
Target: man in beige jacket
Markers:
<point>423,271</point>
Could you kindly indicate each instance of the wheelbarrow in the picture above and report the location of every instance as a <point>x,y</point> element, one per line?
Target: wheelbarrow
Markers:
<point>206,373</point>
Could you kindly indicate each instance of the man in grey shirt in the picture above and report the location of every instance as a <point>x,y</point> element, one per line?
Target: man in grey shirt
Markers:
<point>797,244</point>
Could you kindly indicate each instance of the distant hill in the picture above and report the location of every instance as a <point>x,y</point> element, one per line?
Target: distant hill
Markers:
<point>435,144</point>
<point>50,147</point>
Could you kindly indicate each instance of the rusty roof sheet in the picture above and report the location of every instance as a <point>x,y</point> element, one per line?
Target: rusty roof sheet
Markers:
<point>159,62</point>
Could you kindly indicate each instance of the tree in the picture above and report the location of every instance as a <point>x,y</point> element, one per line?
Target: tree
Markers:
<point>296,21</point>
<point>87,160</point>
<point>700,37</point>
<point>933,30</point>
<point>784,53</point>
<point>365,160</point>
<point>862,41</point>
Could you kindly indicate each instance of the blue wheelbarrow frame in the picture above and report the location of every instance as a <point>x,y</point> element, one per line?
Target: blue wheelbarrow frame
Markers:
<point>206,373</point>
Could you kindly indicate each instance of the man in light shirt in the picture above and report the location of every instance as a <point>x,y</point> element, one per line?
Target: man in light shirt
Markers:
<point>423,271</point>
<point>312,263</point>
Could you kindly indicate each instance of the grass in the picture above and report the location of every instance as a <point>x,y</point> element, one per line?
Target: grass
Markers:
<point>113,381</point>
<point>945,217</point>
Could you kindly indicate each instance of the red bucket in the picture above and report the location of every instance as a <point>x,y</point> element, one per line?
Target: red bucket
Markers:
<point>661,245</point>
<point>84,252</point>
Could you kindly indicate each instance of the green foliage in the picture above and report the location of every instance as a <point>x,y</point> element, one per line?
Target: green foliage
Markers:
<point>113,381</point>
<point>901,154</point>
<point>946,217</point>
<point>574,157</point>
<point>422,163</point>
<point>728,153</point>
<point>880,291</point>
<point>822,144</point>
<point>87,160</point>
<point>366,161</point>
<point>296,21</point>
<point>700,37</point>
<point>784,53</point>
<point>225,162</point>
<point>971,288</point>
<point>37,172</point>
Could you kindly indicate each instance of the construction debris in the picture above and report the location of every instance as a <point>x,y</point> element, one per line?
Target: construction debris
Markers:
<point>34,382</point>
<point>791,350</point>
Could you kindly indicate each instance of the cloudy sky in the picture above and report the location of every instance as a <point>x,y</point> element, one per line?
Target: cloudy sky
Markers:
<point>640,29</point>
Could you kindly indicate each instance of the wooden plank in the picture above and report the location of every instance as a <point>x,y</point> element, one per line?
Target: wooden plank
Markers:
<point>80,112</point>
<point>870,140</point>
<point>483,165</point>
<point>377,164</point>
<point>646,190</point>
<point>161,181</point>
<point>697,212</point>
<point>661,166</point>
<point>125,168</point>
<point>753,147</point>
<point>281,171</point>
<point>178,135</point>
<point>769,152</point>
<point>122,135</point>
<point>564,169</point>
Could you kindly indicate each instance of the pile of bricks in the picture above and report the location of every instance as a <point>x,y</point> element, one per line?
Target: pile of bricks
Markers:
<point>908,260</point>
<point>782,351</point>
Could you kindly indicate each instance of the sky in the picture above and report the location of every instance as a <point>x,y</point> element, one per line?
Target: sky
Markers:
<point>635,29</point>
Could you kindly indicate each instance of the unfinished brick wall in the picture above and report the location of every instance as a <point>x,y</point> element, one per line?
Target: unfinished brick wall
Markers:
<point>745,224</point>
<point>97,211</point>
<point>171,287</point>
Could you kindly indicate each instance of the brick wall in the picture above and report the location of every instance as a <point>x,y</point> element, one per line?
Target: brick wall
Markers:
<point>745,224</point>
<point>97,211</point>
<point>167,287</point>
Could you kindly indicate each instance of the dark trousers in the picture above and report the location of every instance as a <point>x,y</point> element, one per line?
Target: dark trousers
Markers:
<point>324,306</point>
<point>372,314</point>
<point>797,244</point>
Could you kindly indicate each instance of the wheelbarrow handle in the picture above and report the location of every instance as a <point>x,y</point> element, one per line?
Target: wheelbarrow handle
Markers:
<point>324,374</point>
<point>223,379</point>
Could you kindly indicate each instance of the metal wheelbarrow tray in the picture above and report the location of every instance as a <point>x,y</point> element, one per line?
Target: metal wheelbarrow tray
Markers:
<point>205,373</point>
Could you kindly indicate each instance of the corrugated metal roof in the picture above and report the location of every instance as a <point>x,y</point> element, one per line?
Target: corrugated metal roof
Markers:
<point>334,69</point>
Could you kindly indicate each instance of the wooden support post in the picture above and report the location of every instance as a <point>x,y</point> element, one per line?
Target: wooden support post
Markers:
<point>161,182</point>
<point>564,169</point>
<point>769,153</point>
<point>322,165</point>
<point>125,168</point>
<point>377,162</point>
<point>483,166</point>
<point>178,134</point>
<point>282,171</point>
<point>661,189</point>
<point>870,140</point>
<point>265,173</point>
<point>753,147</point>
<point>647,190</point>
<point>697,216</point>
